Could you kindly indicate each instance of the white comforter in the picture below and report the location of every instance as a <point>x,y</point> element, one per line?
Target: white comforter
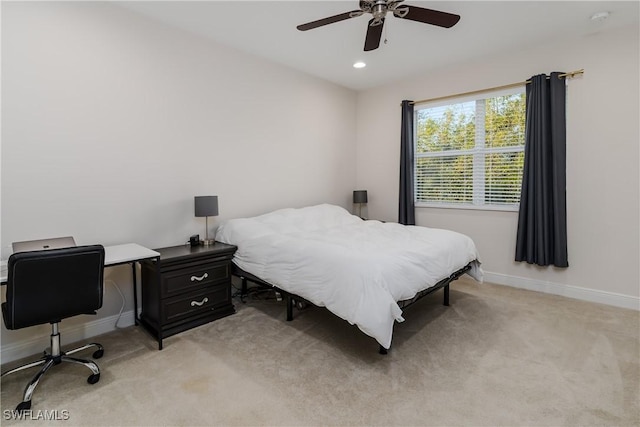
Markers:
<point>357,269</point>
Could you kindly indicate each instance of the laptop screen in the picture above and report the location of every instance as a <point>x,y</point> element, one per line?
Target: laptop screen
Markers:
<point>43,244</point>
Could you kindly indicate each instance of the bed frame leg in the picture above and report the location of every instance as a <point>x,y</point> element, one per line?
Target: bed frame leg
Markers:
<point>383,350</point>
<point>446,295</point>
<point>289,307</point>
<point>243,289</point>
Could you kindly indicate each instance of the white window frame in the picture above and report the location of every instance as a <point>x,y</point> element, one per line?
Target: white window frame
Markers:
<point>479,153</point>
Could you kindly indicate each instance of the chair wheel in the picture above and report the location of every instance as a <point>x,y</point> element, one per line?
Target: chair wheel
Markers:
<point>23,406</point>
<point>93,378</point>
<point>98,354</point>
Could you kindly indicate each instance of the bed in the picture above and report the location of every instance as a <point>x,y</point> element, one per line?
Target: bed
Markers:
<point>363,271</point>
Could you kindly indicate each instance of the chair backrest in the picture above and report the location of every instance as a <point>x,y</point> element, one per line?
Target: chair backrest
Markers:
<point>51,285</point>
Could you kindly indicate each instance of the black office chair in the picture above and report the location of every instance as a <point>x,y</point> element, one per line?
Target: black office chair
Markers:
<point>46,287</point>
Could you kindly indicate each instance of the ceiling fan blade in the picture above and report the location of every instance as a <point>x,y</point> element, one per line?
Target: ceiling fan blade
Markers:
<point>329,20</point>
<point>374,34</point>
<point>429,16</point>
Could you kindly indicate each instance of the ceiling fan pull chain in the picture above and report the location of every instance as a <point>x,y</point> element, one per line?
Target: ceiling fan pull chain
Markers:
<point>385,34</point>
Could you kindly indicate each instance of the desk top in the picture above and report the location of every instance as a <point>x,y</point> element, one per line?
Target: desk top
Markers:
<point>113,255</point>
<point>129,252</point>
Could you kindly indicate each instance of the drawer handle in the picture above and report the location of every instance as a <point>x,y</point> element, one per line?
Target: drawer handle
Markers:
<point>199,279</point>
<point>201,303</point>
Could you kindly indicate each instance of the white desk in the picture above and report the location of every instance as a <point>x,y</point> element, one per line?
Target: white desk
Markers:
<point>128,253</point>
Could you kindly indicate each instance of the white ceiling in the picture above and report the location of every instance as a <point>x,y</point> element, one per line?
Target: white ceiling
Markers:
<point>268,29</point>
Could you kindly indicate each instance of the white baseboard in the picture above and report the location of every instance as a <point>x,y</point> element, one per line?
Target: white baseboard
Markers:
<point>84,331</point>
<point>569,291</point>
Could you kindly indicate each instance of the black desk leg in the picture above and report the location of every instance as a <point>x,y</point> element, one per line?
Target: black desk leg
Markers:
<point>135,294</point>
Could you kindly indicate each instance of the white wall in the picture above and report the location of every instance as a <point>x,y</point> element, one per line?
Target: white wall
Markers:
<point>602,163</point>
<point>111,124</point>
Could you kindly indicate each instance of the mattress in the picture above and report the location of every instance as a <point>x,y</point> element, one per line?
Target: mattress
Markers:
<point>358,269</point>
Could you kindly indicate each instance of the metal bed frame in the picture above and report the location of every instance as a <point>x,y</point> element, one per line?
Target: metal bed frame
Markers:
<point>292,299</point>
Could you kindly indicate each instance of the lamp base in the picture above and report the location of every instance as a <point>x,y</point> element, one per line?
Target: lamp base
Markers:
<point>209,242</point>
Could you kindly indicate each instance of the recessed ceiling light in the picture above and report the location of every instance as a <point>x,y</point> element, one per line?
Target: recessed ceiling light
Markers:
<point>600,16</point>
<point>359,64</point>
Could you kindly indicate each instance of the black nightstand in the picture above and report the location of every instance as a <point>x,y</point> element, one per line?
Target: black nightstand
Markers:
<point>188,287</point>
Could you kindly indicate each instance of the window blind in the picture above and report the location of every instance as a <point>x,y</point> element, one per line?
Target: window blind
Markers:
<point>471,152</point>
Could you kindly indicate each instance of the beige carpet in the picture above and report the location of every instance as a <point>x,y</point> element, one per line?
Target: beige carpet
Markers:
<point>496,356</point>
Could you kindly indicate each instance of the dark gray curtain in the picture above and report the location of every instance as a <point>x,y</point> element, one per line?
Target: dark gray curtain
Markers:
<point>407,210</point>
<point>542,222</point>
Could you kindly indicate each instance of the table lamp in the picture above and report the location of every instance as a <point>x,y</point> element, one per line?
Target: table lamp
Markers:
<point>360,197</point>
<point>206,206</point>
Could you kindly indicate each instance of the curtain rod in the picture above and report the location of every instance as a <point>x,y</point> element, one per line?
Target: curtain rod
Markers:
<point>474,92</point>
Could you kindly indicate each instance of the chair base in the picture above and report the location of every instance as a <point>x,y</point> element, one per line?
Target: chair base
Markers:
<point>55,358</point>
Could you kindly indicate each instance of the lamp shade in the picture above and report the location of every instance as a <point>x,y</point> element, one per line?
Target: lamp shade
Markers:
<point>206,205</point>
<point>360,196</point>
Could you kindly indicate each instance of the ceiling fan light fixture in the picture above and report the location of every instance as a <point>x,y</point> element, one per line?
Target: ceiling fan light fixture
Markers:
<point>359,64</point>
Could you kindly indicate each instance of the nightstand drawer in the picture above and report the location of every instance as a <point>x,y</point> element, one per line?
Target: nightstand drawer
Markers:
<point>194,278</point>
<point>195,303</point>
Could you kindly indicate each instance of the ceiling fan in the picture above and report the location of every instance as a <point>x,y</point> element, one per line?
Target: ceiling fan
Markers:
<point>379,9</point>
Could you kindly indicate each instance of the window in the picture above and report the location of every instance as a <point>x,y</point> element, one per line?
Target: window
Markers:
<point>469,152</point>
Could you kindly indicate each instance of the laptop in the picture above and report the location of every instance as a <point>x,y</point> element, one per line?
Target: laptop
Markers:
<point>43,244</point>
